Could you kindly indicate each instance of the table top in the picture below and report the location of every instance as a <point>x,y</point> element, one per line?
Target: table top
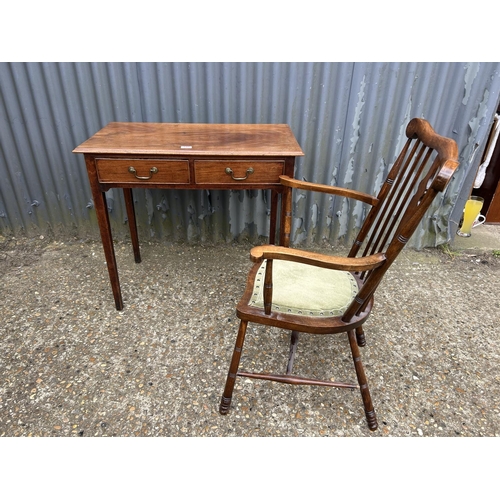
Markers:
<point>192,139</point>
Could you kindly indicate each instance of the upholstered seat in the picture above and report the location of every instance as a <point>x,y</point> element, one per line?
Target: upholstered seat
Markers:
<point>306,290</point>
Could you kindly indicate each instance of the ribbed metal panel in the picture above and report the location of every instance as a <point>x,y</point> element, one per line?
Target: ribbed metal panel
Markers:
<point>349,119</point>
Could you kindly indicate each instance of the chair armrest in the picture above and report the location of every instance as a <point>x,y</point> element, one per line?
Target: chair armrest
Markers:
<point>323,188</point>
<point>354,264</point>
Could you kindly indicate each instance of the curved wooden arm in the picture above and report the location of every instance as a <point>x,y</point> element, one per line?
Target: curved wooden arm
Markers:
<point>354,264</point>
<point>323,188</point>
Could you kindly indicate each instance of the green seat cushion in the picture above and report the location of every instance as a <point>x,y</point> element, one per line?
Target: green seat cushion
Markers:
<point>306,290</point>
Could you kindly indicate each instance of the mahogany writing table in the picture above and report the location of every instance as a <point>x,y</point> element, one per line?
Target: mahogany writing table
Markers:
<point>183,156</point>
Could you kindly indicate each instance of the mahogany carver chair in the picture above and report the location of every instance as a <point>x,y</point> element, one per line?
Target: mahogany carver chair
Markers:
<point>309,292</point>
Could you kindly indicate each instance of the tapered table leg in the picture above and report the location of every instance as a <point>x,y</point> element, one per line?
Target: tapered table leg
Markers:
<point>129,204</point>
<point>101,210</point>
<point>274,216</point>
<point>107,244</point>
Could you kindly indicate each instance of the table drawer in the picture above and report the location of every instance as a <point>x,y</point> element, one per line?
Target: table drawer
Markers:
<point>135,171</point>
<point>237,172</point>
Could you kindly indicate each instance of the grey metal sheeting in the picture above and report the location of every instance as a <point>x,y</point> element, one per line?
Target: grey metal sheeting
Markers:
<point>349,119</point>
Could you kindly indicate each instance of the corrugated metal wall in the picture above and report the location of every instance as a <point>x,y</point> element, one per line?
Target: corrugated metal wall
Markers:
<point>349,119</point>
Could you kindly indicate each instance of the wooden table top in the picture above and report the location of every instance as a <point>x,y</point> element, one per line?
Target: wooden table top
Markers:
<point>193,139</point>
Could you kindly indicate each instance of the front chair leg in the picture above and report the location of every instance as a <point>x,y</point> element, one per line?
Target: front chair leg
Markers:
<point>363,384</point>
<point>233,369</point>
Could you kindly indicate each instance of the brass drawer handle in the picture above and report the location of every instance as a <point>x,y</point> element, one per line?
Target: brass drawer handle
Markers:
<point>230,172</point>
<point>152,170</point>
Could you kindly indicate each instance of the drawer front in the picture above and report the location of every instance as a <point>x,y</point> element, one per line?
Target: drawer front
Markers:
<point>135,171</point>
<point>238,172</point>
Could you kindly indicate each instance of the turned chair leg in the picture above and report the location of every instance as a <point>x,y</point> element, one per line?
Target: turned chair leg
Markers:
<point>360,336</point>
<point>233,369</point>
<point>363,385</point>
<point>294,340</point>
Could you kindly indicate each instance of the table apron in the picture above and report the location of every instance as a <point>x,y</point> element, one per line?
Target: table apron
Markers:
<point>189,173</point>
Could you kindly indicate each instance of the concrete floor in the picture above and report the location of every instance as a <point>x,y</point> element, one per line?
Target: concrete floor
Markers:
<point>485,237</point>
